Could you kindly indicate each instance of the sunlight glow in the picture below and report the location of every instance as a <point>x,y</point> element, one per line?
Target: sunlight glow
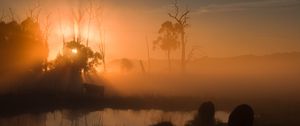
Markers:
<point>74,51</point>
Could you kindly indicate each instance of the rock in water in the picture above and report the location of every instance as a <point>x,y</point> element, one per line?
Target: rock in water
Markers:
<point>242,115</point>
<point>207,114</point>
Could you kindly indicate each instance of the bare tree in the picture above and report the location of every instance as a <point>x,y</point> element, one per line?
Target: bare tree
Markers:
<point>148,54</point>
<point>181,18</point>
<point>78,16</point>
<point>142,66</point>
<point>89,10</point>
<point>12,15</point>
<point>61,30</point>
<point>98,15</point>
<point>102,51</point>
<point>34,11</point>
<point>3,16</point>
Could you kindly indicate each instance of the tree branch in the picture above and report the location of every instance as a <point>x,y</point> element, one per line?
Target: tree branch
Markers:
<point>184,15</point>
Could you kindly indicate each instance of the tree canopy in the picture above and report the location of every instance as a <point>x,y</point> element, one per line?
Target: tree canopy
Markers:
<point>22,46</point>
<point>168,36</point>
<point>79,56</point>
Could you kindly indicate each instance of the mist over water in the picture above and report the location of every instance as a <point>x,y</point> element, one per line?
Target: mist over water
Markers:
<point>106,117</point>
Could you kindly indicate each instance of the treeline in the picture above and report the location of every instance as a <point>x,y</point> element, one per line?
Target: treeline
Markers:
<point>23,51</point>
<point>24,66</point>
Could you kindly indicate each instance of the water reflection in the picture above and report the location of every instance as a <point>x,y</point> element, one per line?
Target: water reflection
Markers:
<point>106,117</point>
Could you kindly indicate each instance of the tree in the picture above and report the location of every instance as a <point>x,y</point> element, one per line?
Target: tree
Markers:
<point>46,32</point>
<point>98,15</point>
<point>78,16</point>
<point>168,39</point>
<point>22,46</point>
<point>102,51</point>
<point>76,53</point>
<point>126,65</point>
<point>148,54</point>
<point>181,18</point>
<point>81,57</point>
<point>94,12</point>
<point>33,13</point>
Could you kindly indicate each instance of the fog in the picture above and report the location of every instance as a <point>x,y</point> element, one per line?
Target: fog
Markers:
<point>274,76</point>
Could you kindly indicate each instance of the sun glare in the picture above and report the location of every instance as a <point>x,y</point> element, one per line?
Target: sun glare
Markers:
<point>74,51</point>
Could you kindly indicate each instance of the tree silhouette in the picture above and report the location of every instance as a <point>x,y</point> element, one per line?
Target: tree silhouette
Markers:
<point>126,65</point>
<point>167,39</point>
<point>83,59</point>
<point>181,18</point>
<point>74,65</point>
<point>23,51</point>
<point>98,15</point>
<point>22,46</point>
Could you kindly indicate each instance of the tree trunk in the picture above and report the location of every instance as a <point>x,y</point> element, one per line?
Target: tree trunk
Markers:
<point>142,67</point>
<point>183,59</point>
<point>148,54</point>
<point>169,59</point>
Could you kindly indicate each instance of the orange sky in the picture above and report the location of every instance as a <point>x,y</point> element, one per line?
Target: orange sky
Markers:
<point>220,28</point>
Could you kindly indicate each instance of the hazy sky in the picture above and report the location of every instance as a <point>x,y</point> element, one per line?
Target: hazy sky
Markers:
<point>219,27</point>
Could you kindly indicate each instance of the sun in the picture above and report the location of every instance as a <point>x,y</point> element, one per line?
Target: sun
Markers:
<point>74,51</point>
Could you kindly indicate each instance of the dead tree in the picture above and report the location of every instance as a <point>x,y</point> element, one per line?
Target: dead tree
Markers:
<point>148,54</point>
<point>61,30</point>
<point>34,11</point>
<point>12,15</point>
<point>98,15</point>
<point>89,11</point>
<point>3,16</point>
<point>181,18</point>
<point>142,67</point>
<point>78,18</point>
